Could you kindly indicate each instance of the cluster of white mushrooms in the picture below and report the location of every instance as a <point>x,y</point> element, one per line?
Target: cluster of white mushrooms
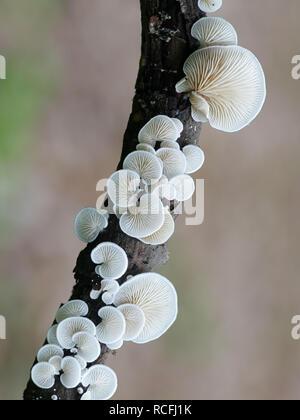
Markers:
<point>226,87</point>
<point>140,310</point>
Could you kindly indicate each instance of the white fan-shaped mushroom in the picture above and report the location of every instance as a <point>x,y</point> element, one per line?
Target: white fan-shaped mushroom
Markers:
<point>48,351</point>
<point>210,6</point>
<point>89,223</point>
<point>87,346</point>
<point>145,164</point>
<point>178,125</point>
<point>157,297</point>
<point>146,148</point>
<point>159,128</point>
<point>115,346</point>
<point>230,80</point>
<point>70,326</point>
<point>110,288</point>
<point>71,375</point>
<point>55,361</point>
<point>135,320</point>
<point>173,160</point>
<point>185,187</point>
<point>43,375</point>
<point>51,335</point>
<point>112,260</point>
<point>144,219</point>
<point>72,309</point>
<point>123,187</point>
<point>194,158</point>
<point>101,382</point>
<point>170,145</point>
<point>112,325</point>
<point>211,31</point>
<point>163,234</point>
<point>94,294</point>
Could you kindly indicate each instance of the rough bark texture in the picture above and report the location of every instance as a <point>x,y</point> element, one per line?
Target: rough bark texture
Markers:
<point>166,43</point>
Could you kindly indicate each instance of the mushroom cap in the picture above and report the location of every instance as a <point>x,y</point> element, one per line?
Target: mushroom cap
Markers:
<point>210,6</point>
<point>108,298</point>
<point>112,325</point>
<point>111,286</point>
<point>146,148</point>
<point>185,187</point>
<point>214,31</point>
<point>231,81</point>
<point>101,381</point>
<point>173,160</point>
<point>51,335</point>
<point>116,346</point>
<point>88,347</point>
<point>94,294</point>
<point>72,309</point>
<point>144,219</point>
<point>48,351</point>
<point>167,144</point>
<point>71,376</point>
<point>159,128</point>
<point>89,223</point>
<point>122,187</point>
<point>135,320</point>
<point>194,158</point>
<point>43,375</point>
<point>112,259</point>
<point>56,362</point>
<point>163,234</point>
<point>157,297</point>
<point>70,326</point>
<point>178,125</point>
<point>145,164</point>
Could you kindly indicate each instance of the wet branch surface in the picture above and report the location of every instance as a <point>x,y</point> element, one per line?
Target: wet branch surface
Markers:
<point>166,43</point>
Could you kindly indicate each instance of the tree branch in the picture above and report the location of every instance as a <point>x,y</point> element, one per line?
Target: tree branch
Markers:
<point>166,43</point>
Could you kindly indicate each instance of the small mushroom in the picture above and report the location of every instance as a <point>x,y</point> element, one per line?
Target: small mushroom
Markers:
<point>94,294</point>
<point>101,382</point>
<point>194,158</point>
<point>163,234</point>
<point>111,259</point>
<point>51,335</point>
<point>144,219</point>
<point>87,346</point>
<point>43,375</point>
<point>145,164</point>
<point>110,288</point>
<point>89,223</point>
<point>70,326</point>
<point>71,309</point>
<point>159,128</point>
<point>185,187</point>
<point>135,321</point>
<point>214,31</point>
<point>157,298</point>
<point>173,160</point>
<point>226,86</point>
<point>146,148</point>
<point>48,351</point>
<point>112,326</point>
<point>210,6</point>
<point>170,145</point>
<point>71,375</point>
<point>123,188</point>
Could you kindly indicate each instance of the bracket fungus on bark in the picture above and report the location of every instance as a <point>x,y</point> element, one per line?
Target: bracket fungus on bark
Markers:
<point>48,351</point>
<point>194,158</point>
<point>89,223</point>
<point>174,162</point>
<point>111,259</point>
<point>210,6</point>
<point>230,81</point>
<point>112,326</point>
<point>69,327</point>
<point>145,164</point>
<point>160,128</point>
<point>71,372</point>
<point>101,382</point>
<point>123,187</point>
<point>87,346</point>
<point>214,31</point>
<point>51,335</point>
<point>43,375</point>
<point>73,308</point>
<point>163,234</point>
<point>157,298</point>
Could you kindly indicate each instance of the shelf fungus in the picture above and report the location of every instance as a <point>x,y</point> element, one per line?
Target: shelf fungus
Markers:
<point>226,86</point>
<point>194,158</point>
<point>112,326</point>
<point>73,308</point>
<point>101,382</point>
<point>214,31</point>
<point>48,351</point>
<point>109,289</point>
<point>71,372</point>
<point>160,128</point>
<point>157,298</point>
<point>87,347</point>
<point>69,327</point>
<point>89,223</point>
<point>163,234</point>
<point>210,6</point>
<point>51,335</point>
<point>123,188</point>
<point>111,260</point>
<point>174,162</point>
<point>145,164</point>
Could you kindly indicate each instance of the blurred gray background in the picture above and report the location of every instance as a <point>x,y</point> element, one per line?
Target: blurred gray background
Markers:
<point>63,109</point>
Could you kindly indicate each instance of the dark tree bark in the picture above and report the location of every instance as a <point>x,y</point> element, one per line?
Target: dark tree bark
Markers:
<point>166,43</point>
